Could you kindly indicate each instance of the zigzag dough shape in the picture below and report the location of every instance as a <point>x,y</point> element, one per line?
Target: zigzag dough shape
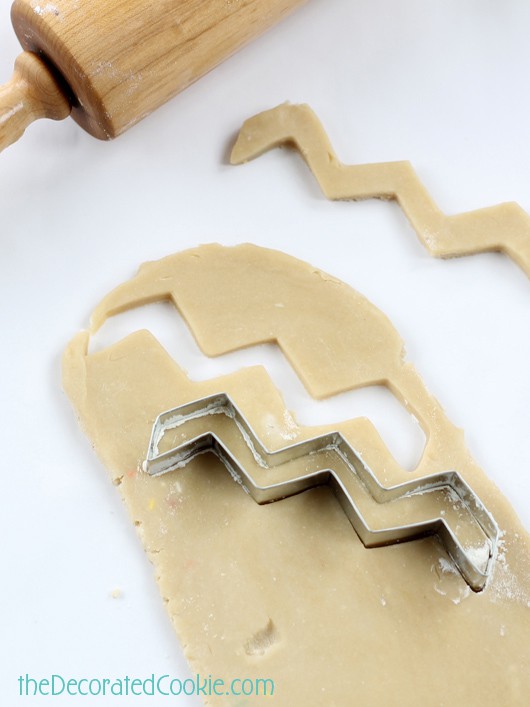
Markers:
<point>503,227</point>
<point>286,590</point>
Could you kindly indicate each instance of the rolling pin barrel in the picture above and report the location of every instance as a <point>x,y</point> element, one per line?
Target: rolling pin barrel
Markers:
<point>118,60</point>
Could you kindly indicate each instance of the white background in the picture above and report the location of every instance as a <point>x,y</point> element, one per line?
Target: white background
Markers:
<point>443,84</point>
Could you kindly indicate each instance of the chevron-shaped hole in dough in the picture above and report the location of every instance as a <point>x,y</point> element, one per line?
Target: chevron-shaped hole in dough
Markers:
<point>399,429</point>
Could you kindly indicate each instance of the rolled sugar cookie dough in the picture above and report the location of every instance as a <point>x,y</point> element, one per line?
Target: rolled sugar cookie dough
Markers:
<point>287,590</point>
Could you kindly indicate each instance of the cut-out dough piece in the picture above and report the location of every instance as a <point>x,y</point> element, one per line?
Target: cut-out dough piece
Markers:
<point>504,227</point>
<point>340,620</point>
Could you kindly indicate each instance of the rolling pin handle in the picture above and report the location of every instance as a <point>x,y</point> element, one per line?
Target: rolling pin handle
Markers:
<point>32,93</point>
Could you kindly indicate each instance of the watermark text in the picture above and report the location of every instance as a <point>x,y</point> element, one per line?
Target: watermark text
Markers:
<point>127,686</point>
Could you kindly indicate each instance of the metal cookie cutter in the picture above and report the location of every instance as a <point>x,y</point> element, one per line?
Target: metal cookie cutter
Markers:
<point>329,459</point>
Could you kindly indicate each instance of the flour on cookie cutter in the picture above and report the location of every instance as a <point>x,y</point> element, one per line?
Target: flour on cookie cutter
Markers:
<point>238,447</point>
<point>502,227</point>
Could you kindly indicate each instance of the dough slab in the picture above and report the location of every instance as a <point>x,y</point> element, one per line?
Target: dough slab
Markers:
<point>287,590</point>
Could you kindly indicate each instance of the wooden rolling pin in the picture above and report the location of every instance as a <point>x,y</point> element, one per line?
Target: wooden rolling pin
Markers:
<point>109,63</point>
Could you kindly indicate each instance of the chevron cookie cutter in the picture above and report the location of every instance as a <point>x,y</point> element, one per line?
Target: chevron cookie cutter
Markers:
<point>335,463</point>
<point>503,227</point>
